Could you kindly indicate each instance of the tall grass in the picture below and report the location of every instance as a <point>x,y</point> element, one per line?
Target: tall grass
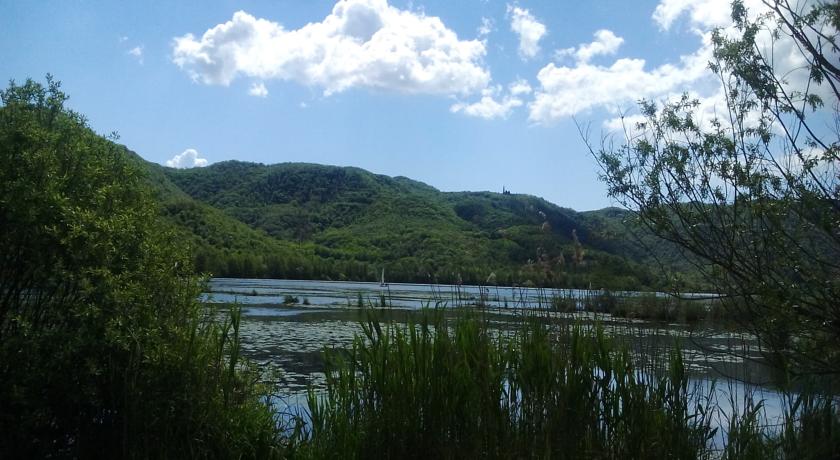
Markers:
<point>198,398</point>
<point>649,306</point>
<point>442,388</point>
<point>454,387</point>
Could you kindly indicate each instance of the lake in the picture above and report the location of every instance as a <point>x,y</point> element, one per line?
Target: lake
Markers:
<point>287,323</point>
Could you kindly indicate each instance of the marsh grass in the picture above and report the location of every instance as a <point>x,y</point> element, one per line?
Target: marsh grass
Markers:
<point>808,427</point>
<point>453,385</point>
<point>652,307</point>
<point>442,387</point>
<point>224,410</point>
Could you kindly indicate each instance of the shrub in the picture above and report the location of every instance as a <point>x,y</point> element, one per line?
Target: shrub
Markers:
<point>103,345</point>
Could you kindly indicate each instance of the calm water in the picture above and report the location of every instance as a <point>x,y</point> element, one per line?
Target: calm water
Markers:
<point>291,337</point>
<point>399,295</point>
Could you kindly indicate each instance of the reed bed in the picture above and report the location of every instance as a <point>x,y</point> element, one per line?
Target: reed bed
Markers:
<point>646,306</point>
<point>451,388</point>
<point>444,386</point>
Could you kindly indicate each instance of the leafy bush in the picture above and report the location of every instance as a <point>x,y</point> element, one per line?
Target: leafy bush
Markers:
<point>103,345</point>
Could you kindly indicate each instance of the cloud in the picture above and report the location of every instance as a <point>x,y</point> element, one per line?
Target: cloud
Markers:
<point>709,108</point>
<point>187,159</point>
<point>783,52</point>
<point>569,90</point>
<point>486,27</point>
<point>488,107</point>
<point>493,104</point>
<point>529,30</point>
<point>519,87</point>
<point>565,91</point>
<point>361,43</point>
<point>626,124</point>
<point>258,90</point>
<point>606,43</point>
<point>137,52</point>
<point>704,14</point>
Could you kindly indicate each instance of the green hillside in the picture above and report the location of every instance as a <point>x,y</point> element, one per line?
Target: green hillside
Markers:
<point>299,220</point>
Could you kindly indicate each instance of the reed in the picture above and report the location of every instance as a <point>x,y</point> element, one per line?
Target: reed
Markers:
<point>443,387</point>
<point>449,385</point>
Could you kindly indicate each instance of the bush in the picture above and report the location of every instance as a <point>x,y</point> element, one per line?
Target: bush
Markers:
<point>103,345</point>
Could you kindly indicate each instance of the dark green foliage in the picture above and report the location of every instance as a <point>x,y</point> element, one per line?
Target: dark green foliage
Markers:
<point>654,307</point>
<point>314,221</point>
<point>622,232</point>
<point>104,350</point>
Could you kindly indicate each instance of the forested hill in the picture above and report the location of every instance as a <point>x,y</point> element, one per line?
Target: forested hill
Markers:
<point>296,220</point>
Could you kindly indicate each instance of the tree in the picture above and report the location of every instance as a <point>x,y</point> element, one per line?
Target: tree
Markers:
<point>753,195</point>
<point>103,345</point>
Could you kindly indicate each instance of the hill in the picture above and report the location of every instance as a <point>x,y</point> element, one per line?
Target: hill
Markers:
<point>298,220</point>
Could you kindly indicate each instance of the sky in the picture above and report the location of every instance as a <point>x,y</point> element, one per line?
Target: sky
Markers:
<point>462,95</point>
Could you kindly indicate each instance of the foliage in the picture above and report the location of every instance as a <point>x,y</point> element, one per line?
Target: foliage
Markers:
<point>444,387</point>
<point>456,389</point>
<point>103,345</point>
<point>325,222</point>
<point>753,196</point>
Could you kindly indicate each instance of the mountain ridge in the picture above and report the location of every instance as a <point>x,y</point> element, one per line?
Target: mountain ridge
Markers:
<point>307,220</point>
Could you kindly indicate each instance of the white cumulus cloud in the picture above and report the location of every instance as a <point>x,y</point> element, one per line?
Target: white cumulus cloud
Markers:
<point>258,90</point>
<point>782,52</point>
<point>189,158</point>
<point>606,43</point>
<point>711,106</point>
<point>494,103</point>
<point>361,43</point>
<point>704,14</point>
<point>529,30</point>
<point>519,87</point>
<point>567,90</point>
<point>488,107</point>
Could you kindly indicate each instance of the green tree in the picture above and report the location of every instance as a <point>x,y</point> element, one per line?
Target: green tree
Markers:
<point>103,345</point>
<point>753,196</point>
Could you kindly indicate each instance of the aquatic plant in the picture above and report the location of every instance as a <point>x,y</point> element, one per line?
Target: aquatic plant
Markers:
<point>447,385</point>
<point>446,388</point>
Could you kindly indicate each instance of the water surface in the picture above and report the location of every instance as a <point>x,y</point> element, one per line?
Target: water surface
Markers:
<point>286,324</point>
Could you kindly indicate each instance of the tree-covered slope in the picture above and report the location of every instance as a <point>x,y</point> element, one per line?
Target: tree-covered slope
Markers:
<point>349,223</point>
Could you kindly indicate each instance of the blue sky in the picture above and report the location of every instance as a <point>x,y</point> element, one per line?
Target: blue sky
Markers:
<point>466,95</point>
